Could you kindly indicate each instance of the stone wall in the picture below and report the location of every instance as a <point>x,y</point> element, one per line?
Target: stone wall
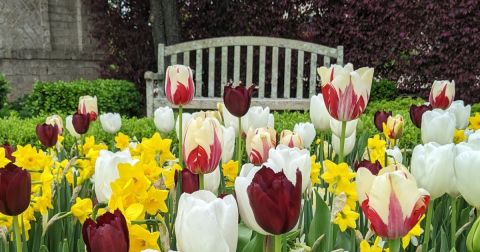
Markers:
<point>45,40</point>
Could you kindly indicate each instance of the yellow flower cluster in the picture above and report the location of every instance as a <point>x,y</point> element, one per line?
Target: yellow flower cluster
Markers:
<point>339,178</point>
<point>85,165</point>
<point>376,149</point>
<point>230,171</point>
<point>365,246</point>
<point>459,136</point>
<point>474,122</point>
<point>314,170</point>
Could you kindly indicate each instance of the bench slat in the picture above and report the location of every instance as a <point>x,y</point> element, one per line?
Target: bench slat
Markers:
<point>300,62</point>
<point>261,73</point>
<point>286,81</point>
<point>224,69</point>
<point>186,58</point>
<point>211,72</point>
<point>274,72</point>
<point>326,61</point>
<point>236,65</point>
<point>313,74</point>
<point>198,73</point>
<point>249,65</point>
<point>173,59</point>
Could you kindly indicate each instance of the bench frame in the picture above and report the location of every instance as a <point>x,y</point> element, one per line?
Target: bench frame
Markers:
<point>155,93</point>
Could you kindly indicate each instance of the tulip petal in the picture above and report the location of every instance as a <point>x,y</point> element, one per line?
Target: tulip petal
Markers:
<point>18,192</point>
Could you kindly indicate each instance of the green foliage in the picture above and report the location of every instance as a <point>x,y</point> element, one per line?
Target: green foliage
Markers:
<point>383,89</point>
<point>4,88</point>
<point>62,97</point>
<point>475,108</point>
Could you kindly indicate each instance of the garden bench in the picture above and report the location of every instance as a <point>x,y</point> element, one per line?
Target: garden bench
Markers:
<point>212,66</point>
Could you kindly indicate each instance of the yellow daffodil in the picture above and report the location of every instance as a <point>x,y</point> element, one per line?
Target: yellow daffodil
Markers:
<point>134,212</point>
<point>350,191</point>
<point>459,136</point>
<point>132,178</point>
<point>27,217</point>
<point>151,169</point>
<point>5,220</point>
<point>157,146</point>
<point>337,176</point>
<point>142,239</point>
<point>26,157</point>
<point>42,203</point>
<point>60,139</point>
<point>169,176</point>
<point>416,231</point>
<point>82,209</point>
<point>155,201</point>
<point>230,171</point>
<point>365,246</point>
<point>474,121</point>
<point>376,149</point>
<point>3,160</point>
<point>122,141</point>
<point>314,170</point>
<point>346,218</point>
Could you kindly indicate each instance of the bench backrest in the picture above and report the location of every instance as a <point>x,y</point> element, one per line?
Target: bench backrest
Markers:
<point>211,61</point>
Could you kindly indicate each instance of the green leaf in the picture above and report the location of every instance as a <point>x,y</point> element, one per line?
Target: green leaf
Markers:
<point>255,245</point>
<point>320,224</point>
<point>43,248</point>
<point>244,235</point>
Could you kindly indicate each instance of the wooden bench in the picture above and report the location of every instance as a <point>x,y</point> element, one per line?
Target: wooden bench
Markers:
<point>250,65</point>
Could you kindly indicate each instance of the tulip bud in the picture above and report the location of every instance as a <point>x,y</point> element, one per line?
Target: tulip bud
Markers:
<point>442,94</point>
<point>291,139</point>
<point>318,113</point>
<point>416,113</point>
<point>190,181</point>
<point>237,99</point>
<point>380,118</point>
<point>69,126</point>
<point>179,87</point>
<point>258,144</point>
<point>55,120</point>
<point>47,134</point>
<point>111,122</point>
<point>15,189</point>
<point>393,129</point>
<point>473,237</point>
<point>374,168</point>
<point>80,123</point>
<point>202,147</point>
<point>306,131</point>
<point>110,233</point>
<point>88,105</point>
<point>164,119</point>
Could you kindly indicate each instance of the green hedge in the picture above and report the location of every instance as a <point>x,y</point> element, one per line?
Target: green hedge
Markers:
<point>4,88</point>
<point>62,97</point>
<point>383,89</point>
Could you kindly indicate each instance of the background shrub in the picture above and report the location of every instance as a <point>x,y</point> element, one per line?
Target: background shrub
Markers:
<point>4,88</point>
<point>383,89</point>
<point>62,97</point>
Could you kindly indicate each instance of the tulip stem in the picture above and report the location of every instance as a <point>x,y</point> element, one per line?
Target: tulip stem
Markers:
<point>239,144</point>
<point>342,142</point>
<point>428,223</point>
<point>17,231</point>
<point>453,223</point>
<point>201,182</point>
<point>394,245</point>
<point>180,137</point>
<point>278,243</point>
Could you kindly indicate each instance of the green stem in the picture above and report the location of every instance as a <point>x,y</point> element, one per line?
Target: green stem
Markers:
<point>394,245</point>
<point>180,137</point>
<point>453,223</point>
<point>342,142</point>
<point>272,243</point>
<point>278,243</point>
<point>18,232</point>
<point>201,182</point>
<point>428,223</point>
<point>239,144</point>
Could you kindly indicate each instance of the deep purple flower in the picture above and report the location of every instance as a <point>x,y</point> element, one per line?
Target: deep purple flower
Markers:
<point>416,113</point>
<point>237,99</point>
<point>110,233</point>
<point>381,117</point>
<point>81,122</point>
<point>15,190</point>
<point>47,134</point>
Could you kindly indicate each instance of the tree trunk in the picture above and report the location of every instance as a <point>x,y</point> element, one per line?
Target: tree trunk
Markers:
<point>171,21</point>
<point>158,25</point>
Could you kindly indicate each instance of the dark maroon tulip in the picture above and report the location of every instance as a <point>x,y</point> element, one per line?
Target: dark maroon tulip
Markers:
<point>110,233</point>
<point>237,99</point>
<point>47,134</point>
<point>81,122</point>
<point>374,168</point>
<point>381,117</point>
<point>9,151</point>
<point>275,201</point>
<point>15,189</point>
<point>190,181</point>
<point>416,113</point>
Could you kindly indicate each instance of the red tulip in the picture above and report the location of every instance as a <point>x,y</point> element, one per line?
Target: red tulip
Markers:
<point>345,91</point>
<point>416,113</point>
<point>190,181</point>
<point>381,117</point>
<point>47,134</point>
<point>275,200</point>
<point>15,189</point>
<point>179,87</point>
<point>237,99</point>
<point>374,168</point>
<point>81,122</point>
<point>8,152</point>
<point>110,233</point>
<point>442,94</point>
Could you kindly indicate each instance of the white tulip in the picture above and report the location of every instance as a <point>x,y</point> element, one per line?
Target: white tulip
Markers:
<point>394,155</point>
<point>438,126</point>
<point>206,223</point>
<point>349,143</point>
<point>433,167</point>
<point>106,171</point>
<point>70,128</point>
<point>256,117</point>
<point>186,117</point>
<point>474,137</point>
<point>318,113</point>
<point>229,120</point>
<point>461,112</point>
<point>467,172</point>
<point>228,143</point>
<point>289,160</point>
<point>164,119</point>
<point>212,180</point>
<point>271,121</point>
<point>111,122</point>
<point>336,127</point>
<point>306,132</point>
